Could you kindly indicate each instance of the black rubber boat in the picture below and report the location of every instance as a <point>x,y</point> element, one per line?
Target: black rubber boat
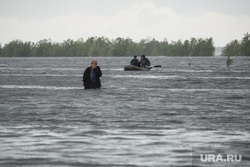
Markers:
<point>136,68</point>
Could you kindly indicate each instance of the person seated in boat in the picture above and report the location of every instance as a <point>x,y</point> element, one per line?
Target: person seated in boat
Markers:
<point>91,76</point>
<point>135,62</point>
<point>144,61</point>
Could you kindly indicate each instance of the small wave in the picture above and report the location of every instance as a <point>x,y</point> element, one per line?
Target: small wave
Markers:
<point>40,75</point>
<point>39,87</point>
<point>142,76</point>
<point>40,68</point>
<point>3,65</point>
<point>114,69</point>
<point>239,78</point>
<point>192,71</point>
<point>172,77</point>
<point>119,88</point>
<point>182,90</point>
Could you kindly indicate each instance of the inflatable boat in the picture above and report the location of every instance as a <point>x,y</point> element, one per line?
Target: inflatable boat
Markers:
<point>136,68</point>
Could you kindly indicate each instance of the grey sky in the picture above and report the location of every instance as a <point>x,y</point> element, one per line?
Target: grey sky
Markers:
<point>33,20</point>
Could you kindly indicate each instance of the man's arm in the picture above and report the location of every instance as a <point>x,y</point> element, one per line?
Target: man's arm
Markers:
<point>98,71</point>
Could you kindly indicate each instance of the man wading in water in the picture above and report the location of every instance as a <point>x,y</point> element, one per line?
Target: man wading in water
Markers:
<point>91,76</point>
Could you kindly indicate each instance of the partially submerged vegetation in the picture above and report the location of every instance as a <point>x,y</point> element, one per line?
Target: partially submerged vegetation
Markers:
<point>229,60</point>
<point>238,48</point>
<point>102,47</point>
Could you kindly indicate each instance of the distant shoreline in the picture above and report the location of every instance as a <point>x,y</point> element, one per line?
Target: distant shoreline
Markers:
<point>101,46</point>
<point>124,47</point>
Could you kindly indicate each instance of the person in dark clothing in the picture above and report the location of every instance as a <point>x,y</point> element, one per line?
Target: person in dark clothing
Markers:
<point>135,61</point>
<point>144,61</point>
<point>91,76</point>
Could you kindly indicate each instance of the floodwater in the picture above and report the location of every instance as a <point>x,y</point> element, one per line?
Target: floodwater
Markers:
<point>151,118</point>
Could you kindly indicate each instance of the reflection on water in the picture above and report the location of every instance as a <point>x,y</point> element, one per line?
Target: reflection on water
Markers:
<point>138,118</point>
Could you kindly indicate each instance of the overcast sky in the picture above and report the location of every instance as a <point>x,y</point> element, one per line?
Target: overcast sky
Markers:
<point>34,20</point>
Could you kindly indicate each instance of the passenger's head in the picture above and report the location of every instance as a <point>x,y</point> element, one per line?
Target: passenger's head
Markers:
<point>143,56</point>
<point>135,57</point>
<point>94,63</point>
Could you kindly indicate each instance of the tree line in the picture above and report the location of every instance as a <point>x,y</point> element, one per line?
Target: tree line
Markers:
<point>238,48</point>
<point>102,47</point>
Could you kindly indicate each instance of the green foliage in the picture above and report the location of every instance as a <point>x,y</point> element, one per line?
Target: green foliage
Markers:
<point>123,47</point>
<point>1,50</point>
<point>201,47</point>
<point>238,48</point>
<point>245,45</point>
<point>101,46</point>
<point>229,61</point>
<point>43,48</point>
<point>94,47</point>
<point>232,48</point>
<point>17,48</point>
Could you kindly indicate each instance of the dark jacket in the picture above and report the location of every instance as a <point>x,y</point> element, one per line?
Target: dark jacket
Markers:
<point>145,62</point>
<point>86,78</point>
<point>134,62</point>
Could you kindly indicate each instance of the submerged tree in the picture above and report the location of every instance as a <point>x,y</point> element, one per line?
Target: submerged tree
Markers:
<point>43,48</point>
<point>232,48</point>
<point>238,48</point>
<point>17,48</point>
<point>229,61</point>
<point>245,45</point>
<point>1,50</point>
<point>101,46</point>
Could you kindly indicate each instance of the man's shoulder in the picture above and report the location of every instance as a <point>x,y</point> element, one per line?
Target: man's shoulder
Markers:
<point>87,69</point>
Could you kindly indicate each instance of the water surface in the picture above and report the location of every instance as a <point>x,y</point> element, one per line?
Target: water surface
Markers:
<point>138,118</point>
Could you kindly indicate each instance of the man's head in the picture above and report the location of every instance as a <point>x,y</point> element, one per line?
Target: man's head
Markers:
<point>135,57</point>
<point>143,56</point>
<point>94,64</point>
